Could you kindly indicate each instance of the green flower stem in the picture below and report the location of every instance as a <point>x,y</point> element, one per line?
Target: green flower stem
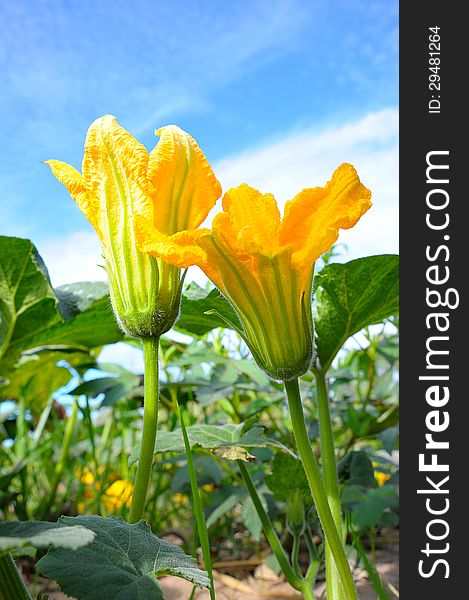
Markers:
<point>308,592</point>
<point>196,501</point>
<point>295,554</point>
<point>150,425</point>
<point>331,482</point>
<point>62,462</point>
<point>269,530</point>
<point>11,585</point>
<point>317,489</point>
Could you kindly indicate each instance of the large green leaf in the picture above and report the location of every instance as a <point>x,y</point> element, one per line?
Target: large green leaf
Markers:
<point>28,304</point>
<point>41,534</point>
<point>123,561</point>
<point>210,437</point>
<point>35,378</point>
<point>33,317</point>
<point>74,298</point>
<point>195,303</point>
<point>95,326</point>
<point>351,296</point>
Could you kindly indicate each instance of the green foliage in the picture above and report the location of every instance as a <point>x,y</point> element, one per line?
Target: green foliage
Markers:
<point>196,302</point>
<point>232,410</point>
<point>210,437</point>
<point>356,469</point>
<point>250,517</point>
<point>352,296</point>
<point>367,506</point>
<point>113,388</point>
<point>28,304</point>
<point>35,378</point>
<point>123,561</point>
<point>75,298</point>
<point>287,477</point>
<point>16,534</point>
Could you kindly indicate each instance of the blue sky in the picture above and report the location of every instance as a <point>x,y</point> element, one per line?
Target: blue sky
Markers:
<point>274,91</point>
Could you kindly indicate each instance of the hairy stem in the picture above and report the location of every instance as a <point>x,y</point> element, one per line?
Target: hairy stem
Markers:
<point>150,425</point>
<point>331,482</point>
<point>269,530</point>
<point>317,490</point>
<point>196,501</point>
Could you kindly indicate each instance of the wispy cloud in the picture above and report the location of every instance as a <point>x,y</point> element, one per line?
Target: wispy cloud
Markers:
<point>145,60</point>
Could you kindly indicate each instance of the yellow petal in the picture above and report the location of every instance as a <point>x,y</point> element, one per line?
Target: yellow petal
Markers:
<point>255,219</point>
<point>184,187</point>
<point>114,173</point>
<point>312,219</point>
<point>179,249</point>
<point>73,181</point>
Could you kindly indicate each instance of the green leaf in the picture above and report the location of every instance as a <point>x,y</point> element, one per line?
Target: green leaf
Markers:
<point>35,378</point>
<point>41,534</point>
<point>352,296</point>
<point>113,388</point>
<point>288,475</point>
<point>74,298</point>
<point>368,506</point>
<point>31,320</point>
<point>388,438</point>
<point>95,326</point>
<point>250,517</point>
<point>123,561</point>
<point>225,507</point>
<point>210,437</point>
<point>195,303</point>
<point>367,513</point>
<point>356,469</point>
<point>27,301</point>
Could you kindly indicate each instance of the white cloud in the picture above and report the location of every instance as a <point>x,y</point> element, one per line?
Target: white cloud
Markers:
<point>72,258</point>
<point>284,167</point>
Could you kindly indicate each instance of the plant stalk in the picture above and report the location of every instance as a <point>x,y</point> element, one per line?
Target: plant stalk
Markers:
<point>150,425</point>
<point>196,501</point>
<point>12,586</point>
<point>269,530</point>
<point>331,482</point>
<point>62,462</point>
<point>318,492</point>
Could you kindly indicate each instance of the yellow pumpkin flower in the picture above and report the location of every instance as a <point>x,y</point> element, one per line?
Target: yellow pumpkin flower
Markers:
<point>173,187</point>
<point>118,495</point>
<point>264,264</point>
<point>380,476</point>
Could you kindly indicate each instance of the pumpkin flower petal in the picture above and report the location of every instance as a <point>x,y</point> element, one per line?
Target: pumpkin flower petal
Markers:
<point>185,188</point>
<point>255,218</point>
<point>73,181</point>
<point>313,218</point>
<point>114,172</point>
<point>178,249</point>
